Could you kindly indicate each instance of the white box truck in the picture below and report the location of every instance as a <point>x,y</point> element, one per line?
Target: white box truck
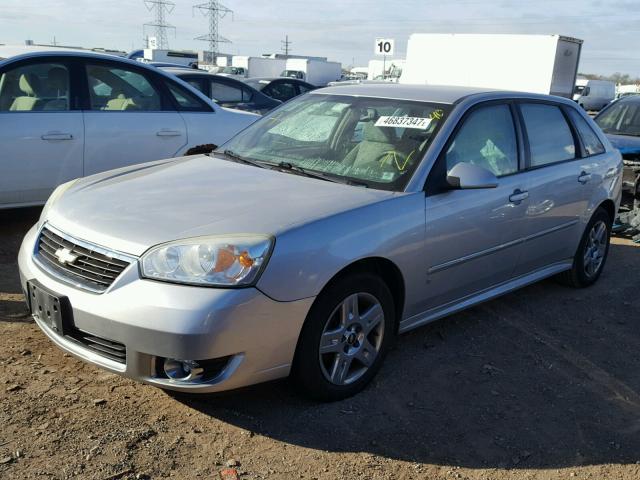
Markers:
<point>243,66</point>
<point>315,72</point>
<point>530,63</point>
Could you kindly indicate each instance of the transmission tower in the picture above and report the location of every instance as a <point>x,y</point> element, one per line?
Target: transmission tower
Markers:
<point>162,8</point>
<point>286,45</point>
<point>215,11</point>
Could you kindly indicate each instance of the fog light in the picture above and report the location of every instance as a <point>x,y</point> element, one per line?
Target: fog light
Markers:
<point>183,370</point>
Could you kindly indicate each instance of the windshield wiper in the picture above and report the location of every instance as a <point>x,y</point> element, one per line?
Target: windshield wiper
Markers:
<point>321,176</point>
<point>231,155</point>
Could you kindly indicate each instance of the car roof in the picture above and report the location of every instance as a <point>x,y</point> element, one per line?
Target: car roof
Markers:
<point>428,93</point>
<point>272,79</point>
<point>631,98</point>
<point>186,70</point>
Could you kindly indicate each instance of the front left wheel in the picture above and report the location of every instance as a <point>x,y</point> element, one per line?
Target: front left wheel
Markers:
<point>345,338</point>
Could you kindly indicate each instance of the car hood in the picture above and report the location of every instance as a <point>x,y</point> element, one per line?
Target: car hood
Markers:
<point>627,144</point>
<point>131,209</point>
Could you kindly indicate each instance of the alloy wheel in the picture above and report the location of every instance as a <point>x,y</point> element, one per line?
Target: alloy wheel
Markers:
<point>595,248</point>
<point>351,339</point>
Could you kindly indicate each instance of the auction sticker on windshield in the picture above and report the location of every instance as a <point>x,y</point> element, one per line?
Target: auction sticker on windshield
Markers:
<point>403,122</point>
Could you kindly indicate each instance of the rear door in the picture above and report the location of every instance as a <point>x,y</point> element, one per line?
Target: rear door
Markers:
<point>41,130</point>
<point>559,183</point>
<point>129,117</point>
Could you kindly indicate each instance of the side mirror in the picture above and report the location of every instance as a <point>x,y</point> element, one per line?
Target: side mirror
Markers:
<point>466,176</point>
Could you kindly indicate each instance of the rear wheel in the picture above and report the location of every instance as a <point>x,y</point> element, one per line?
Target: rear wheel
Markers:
<point>592,253</point>
<point>345,338</point>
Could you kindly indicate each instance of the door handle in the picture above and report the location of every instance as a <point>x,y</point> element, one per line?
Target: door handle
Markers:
<point>168,133</point>
<point>57,136</point>
<point>518,196</point>
<point>584,177</point>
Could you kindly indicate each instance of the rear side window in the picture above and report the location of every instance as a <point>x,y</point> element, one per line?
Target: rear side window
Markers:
<point>487,139</point>
<point>592,145</point>
<point>550,138</point>
<point>223,93</point>
<point>281,91</point>
<point>186,100</point>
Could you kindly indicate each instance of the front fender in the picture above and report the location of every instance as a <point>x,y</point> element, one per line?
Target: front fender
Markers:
<point>306,257</point>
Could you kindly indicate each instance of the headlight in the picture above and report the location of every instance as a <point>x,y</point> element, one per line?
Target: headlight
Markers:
<point>53,198</point>
<point>215,261</point>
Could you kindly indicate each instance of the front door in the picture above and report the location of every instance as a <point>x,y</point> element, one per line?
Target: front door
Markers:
<point>474,236</point>
<point>41,137</point>
<point>128,119</point>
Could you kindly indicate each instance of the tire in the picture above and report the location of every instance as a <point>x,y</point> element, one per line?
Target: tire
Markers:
<point>586,271</point>
<point>350,341</point>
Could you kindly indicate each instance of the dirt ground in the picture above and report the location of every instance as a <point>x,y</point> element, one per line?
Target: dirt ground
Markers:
<point>540,384</point>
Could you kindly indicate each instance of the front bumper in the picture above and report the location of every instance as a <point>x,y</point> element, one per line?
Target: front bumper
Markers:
<point>156,319</point>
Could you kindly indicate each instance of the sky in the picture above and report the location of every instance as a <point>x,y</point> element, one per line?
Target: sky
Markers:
<point>343,30</point>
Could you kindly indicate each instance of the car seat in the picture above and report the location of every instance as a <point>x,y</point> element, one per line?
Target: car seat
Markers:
<point>29,85</point>
<point>120,102</point>
<point>58,84</point>
<point>376,142</point>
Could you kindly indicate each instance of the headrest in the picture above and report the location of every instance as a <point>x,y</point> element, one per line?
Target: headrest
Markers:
<point>28,84</point>
<point>58,77</point>
<point>371,133</point>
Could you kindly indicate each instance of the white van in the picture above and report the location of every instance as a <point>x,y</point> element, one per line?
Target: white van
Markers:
<point>597,94</point>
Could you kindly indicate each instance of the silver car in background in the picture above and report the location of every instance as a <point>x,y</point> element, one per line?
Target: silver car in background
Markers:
<point>308,241</point>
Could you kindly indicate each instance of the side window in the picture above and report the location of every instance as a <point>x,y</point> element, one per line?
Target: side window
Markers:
<point>185,99</point>
<point>592,143</point>
<point>246,95</point>
<point>197,84</point>
<point>223,93</point>
<point>35,87</point>
<point>303,89</point>
<point>550,138</point>
<point>281,91</point>
<point>487,139</point>
<point>118,89</point>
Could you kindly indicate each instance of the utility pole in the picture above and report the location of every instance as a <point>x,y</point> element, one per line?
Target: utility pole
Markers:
<point>215,11</point>
<point>285,45</point>
<point>161,8</point>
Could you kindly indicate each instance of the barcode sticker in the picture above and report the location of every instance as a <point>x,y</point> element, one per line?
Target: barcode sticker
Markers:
<point>403,122</point>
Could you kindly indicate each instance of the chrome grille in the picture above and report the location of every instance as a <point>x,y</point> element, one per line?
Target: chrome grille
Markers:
<point>84,266</point>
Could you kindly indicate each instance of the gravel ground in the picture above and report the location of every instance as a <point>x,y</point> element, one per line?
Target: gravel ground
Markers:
<point>540,384</point>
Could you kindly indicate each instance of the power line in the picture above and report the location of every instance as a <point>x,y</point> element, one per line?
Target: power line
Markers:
<point>215,11</point>
<point>161,8</point>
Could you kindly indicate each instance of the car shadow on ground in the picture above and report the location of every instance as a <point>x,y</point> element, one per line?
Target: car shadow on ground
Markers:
<point>13,225</point>
<point>541,378</point>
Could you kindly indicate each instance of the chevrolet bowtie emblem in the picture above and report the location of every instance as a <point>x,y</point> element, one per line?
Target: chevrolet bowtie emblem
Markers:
<point>65,256</point>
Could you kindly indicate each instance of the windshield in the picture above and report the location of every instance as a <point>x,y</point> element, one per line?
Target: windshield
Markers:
<point>372,141</point>
<point>621,118</point>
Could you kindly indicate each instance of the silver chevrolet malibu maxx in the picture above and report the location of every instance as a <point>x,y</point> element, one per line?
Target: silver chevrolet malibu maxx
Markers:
<point>306,243</point>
